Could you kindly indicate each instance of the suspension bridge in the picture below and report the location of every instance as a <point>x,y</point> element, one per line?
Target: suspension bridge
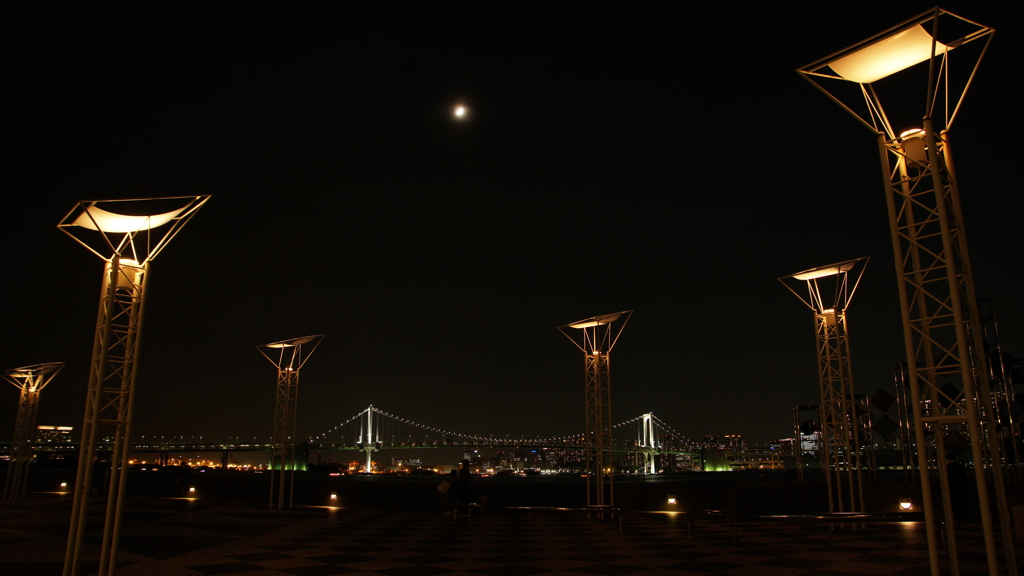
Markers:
<point>373,430</point>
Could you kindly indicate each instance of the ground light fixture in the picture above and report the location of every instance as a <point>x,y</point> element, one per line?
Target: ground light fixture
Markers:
<point>938,52</point>
<point>906,503</point>
<point>30,381</point>
<point>828,291</point>
<point>127,235</point>
<point>595,337</point>
<point>288,356</point>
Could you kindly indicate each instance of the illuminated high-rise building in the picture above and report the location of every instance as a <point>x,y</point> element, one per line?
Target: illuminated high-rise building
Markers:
<point>54,434</point>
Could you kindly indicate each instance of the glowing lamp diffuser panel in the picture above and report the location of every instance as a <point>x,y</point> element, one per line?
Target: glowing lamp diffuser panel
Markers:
<point>292,342</point>
<point>888,56</point>
<point>824,271</point>
<point>596,321</point>
<point>94,218</point>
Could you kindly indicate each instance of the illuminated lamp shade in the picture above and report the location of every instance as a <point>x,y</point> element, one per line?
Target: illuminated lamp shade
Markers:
<point>887,56</point>
<point>906,503</point>
<point>596,321</point>
<point>94,218</point>
<point>290,343</point>
<point>823,271</point>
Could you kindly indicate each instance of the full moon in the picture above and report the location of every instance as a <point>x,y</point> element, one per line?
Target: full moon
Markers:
<point>460,111</point>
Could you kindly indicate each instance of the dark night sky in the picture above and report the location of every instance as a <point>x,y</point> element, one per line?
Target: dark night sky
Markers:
<point>621,156</point>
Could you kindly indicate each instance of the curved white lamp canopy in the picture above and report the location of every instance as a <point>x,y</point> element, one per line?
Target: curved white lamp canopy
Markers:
<point>821,272</point>
<point>123,231</point>
<point>951,70</point>
<point>829,287</point>
<point>95,218</point>
<point>888,56</point>
<point>603,336</point>
<point>596,320</point>
<point>292,342</point>
<point>290,355</point>
<point>35,376</point>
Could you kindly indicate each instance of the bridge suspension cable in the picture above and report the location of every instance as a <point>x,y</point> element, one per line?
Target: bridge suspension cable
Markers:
<point>373,428</point>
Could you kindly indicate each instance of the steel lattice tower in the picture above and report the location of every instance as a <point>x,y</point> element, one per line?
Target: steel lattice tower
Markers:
<point>30,380</point>
<point>599,335</point>
<point>947,372</point>
<point>128,245</point>
<point>289,360</point>
<point>829,290</point>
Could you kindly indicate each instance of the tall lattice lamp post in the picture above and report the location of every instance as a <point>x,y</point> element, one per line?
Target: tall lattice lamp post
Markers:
<point>127,242</point>
<point>948,379</point>
<point>288,357</point>
<point>596,337</point>
<point>30,380</point>
<point>827,291</point>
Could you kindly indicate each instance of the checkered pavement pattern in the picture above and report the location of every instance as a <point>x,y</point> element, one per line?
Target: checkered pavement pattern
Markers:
<point>177,537</point>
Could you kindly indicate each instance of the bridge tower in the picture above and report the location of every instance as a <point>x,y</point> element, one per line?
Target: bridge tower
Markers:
<point>597,337</point>
<point>369,443</point>
<point>829,290</point>
<point>288,359</point>
<point>648,442</point>
<point>30,380</point>
<point>947,370</point>
<point>126,244</point>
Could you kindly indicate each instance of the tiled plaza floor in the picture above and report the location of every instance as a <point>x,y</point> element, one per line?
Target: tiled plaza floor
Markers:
<point>176,537</point>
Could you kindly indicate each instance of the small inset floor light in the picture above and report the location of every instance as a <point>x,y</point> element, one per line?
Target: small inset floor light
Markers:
<point>63,484</point>
<point>191,490</point>
<point>906,503</point>
<point>671,499</point>
<point>334,497</point>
